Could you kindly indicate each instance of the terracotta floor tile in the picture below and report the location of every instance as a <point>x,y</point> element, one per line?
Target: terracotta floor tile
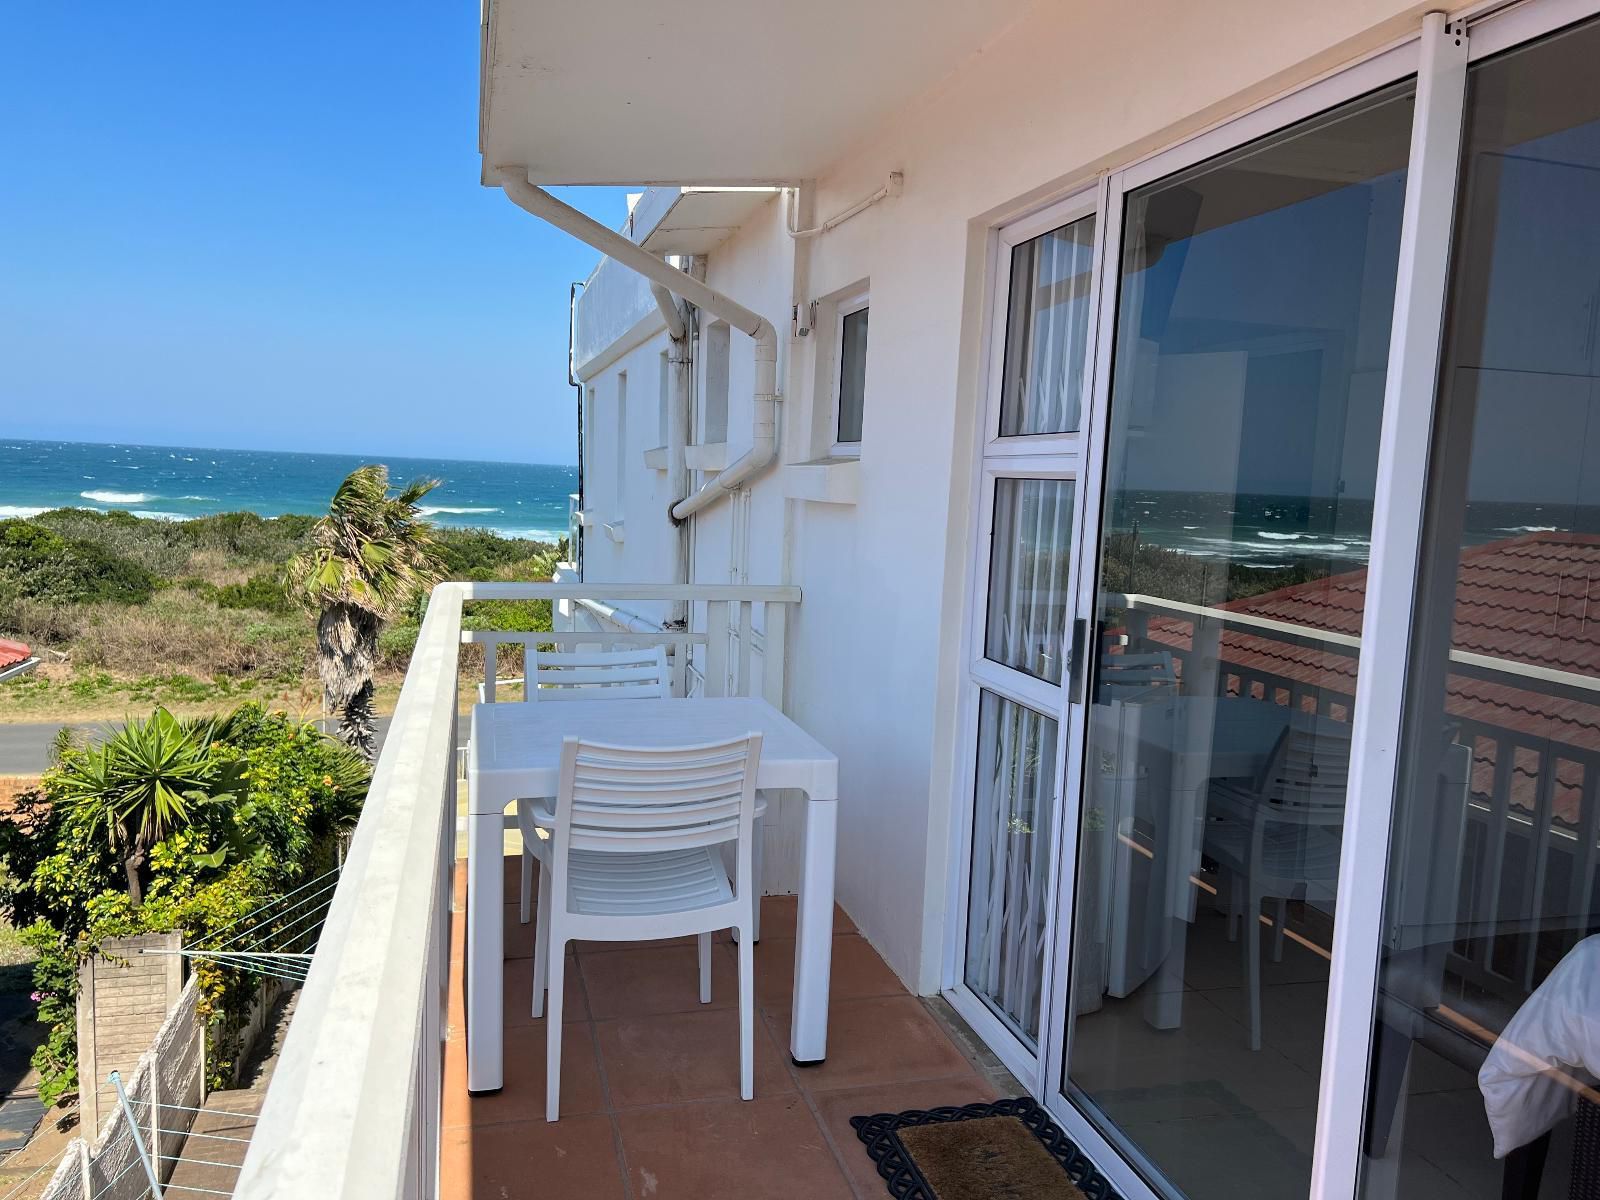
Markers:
<point>518,1004</point>
<point>657,979</point>
<point>767,1149</point>
<point>889,1039</point>
<point>534,1160</point>
<point>684,1056</point>
<point>522,1097</point>
<point>519,992</point>
<point>836,1109</point>
<point>857,971</point>
<point>778,917</point>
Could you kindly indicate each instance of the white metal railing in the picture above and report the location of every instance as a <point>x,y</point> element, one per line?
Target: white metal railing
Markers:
<point>354,1107</point>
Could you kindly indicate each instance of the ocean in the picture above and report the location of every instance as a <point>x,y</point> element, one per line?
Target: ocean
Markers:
<point>1268,532</point>
<point>176,483</point>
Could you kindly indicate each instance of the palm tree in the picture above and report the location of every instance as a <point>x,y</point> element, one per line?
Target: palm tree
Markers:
<point>140,784</point>
<point>368,559</point>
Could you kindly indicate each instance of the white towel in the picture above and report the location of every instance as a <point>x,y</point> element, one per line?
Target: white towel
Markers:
<point>1557,1029</point>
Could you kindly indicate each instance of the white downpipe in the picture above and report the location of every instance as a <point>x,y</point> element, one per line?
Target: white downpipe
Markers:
<point>763,450</point>
<point>676,329</point>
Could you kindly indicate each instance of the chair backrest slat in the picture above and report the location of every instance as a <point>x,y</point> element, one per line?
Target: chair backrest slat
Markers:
<point>635,674</point>
<point>631,799</point>
<point>1309,767</point>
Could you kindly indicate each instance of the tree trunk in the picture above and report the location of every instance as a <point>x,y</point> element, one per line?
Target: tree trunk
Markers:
<point>347,645</point>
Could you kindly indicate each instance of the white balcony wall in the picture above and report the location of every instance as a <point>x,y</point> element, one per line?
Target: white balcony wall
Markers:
<point>1065,92</point>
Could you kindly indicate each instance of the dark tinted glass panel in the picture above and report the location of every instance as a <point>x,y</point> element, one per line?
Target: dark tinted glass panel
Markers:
<point>1489,985</point>
<point>1253,318</point>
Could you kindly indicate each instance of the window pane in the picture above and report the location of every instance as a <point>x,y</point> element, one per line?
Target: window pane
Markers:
<point>852,374</point>
<point>1012,816</point>
<point>1047,331</point>
<point>1256,293</point>
<point>1027,611</point>
<point>1486,978</point>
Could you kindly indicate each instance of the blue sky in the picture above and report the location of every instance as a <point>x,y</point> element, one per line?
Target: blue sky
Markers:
<point>260,225</point>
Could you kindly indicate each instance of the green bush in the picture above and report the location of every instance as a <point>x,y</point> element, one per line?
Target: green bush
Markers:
<point>41,564</point>
<point>293,791</point>
<point>480,554</point>
<point>262,591</point>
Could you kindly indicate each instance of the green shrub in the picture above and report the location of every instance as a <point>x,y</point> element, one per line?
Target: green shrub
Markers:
<point>262,591</point>
<point>293,791</point>
<point>43,565</point>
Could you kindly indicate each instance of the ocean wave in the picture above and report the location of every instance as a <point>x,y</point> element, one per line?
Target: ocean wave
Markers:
<point>157,515</point>
<point>118,497</point>
<point>1280,537</point>
<point>8,511</point>
<point>210,498</point>
<point>533,535</point>
<point>1528,529</point>
<point>429,510</point>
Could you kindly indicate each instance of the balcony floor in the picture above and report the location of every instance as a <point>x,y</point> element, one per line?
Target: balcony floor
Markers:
<point>650,1106</point>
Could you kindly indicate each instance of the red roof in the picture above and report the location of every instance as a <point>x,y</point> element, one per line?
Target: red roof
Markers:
<point>1525,598</point>
<point>12,653</point>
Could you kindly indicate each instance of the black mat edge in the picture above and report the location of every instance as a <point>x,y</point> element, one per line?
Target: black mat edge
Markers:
<point>879,1133</point>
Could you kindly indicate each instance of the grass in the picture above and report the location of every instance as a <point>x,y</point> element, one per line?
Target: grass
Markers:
<point>216,630</point>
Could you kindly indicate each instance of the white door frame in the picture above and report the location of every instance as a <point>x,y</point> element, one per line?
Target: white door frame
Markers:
<point>1052,456</point>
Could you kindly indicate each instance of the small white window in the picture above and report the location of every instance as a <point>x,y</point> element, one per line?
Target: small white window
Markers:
<point>850,379</point>
<point>661,405</point>
<point>622,443</point>
<point>714,411</point>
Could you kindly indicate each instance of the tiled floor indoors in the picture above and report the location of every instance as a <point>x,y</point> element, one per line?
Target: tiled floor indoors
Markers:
<point>650,1106</point>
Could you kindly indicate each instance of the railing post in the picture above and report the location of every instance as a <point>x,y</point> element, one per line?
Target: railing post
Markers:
<point>491,664</point>
<point>716,680</point>
<point>776,656</point>
<point>747,637</point>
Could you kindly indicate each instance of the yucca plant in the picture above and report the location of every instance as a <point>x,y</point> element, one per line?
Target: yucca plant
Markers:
<point>142,782</point>
<point>369,558</point>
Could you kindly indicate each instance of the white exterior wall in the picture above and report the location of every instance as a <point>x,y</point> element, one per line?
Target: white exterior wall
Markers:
<point>874,670</point>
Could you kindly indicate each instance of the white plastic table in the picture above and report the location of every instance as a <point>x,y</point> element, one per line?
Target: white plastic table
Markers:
<point>515,753</point>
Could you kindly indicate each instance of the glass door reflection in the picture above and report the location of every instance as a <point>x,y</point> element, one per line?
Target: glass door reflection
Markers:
<point>1251,344</point>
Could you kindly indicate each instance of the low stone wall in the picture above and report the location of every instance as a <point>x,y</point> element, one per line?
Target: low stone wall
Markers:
<point>124,995</point>
<point>165,1088</point>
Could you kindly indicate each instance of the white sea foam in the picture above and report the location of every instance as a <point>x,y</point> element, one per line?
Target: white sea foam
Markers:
<point>157,515</point>
<point>118,497</point>
<point>18,510</point>
<point>429,510</point>
<point>1528,529</point>
<point>1279,537</point>
<point>211,498</point>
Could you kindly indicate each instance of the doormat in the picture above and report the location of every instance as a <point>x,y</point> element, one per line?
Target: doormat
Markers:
<point>1010,1149</point>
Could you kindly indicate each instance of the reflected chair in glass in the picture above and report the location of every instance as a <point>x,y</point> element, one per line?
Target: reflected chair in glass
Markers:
<point>1278,836</point>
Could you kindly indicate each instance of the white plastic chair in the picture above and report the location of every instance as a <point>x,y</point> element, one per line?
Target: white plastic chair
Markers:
<point>637,855</point>
<point>580,675</point>
<point>640,674</point>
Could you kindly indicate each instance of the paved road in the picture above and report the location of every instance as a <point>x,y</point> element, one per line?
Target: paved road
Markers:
<point>25,749</point>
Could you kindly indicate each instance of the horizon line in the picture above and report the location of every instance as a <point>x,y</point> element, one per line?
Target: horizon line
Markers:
<point>500,462</point>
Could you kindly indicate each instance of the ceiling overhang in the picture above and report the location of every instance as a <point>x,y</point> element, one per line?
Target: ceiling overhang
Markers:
<point>723,92</point>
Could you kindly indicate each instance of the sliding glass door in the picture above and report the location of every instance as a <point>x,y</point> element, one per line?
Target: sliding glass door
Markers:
<point>1487,1025</point>
<point>1280,871</point>
<point>1254,298</point>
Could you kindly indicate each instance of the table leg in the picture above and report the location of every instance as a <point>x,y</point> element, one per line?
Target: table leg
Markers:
<point>813,943</point>
<point>485,942</point>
